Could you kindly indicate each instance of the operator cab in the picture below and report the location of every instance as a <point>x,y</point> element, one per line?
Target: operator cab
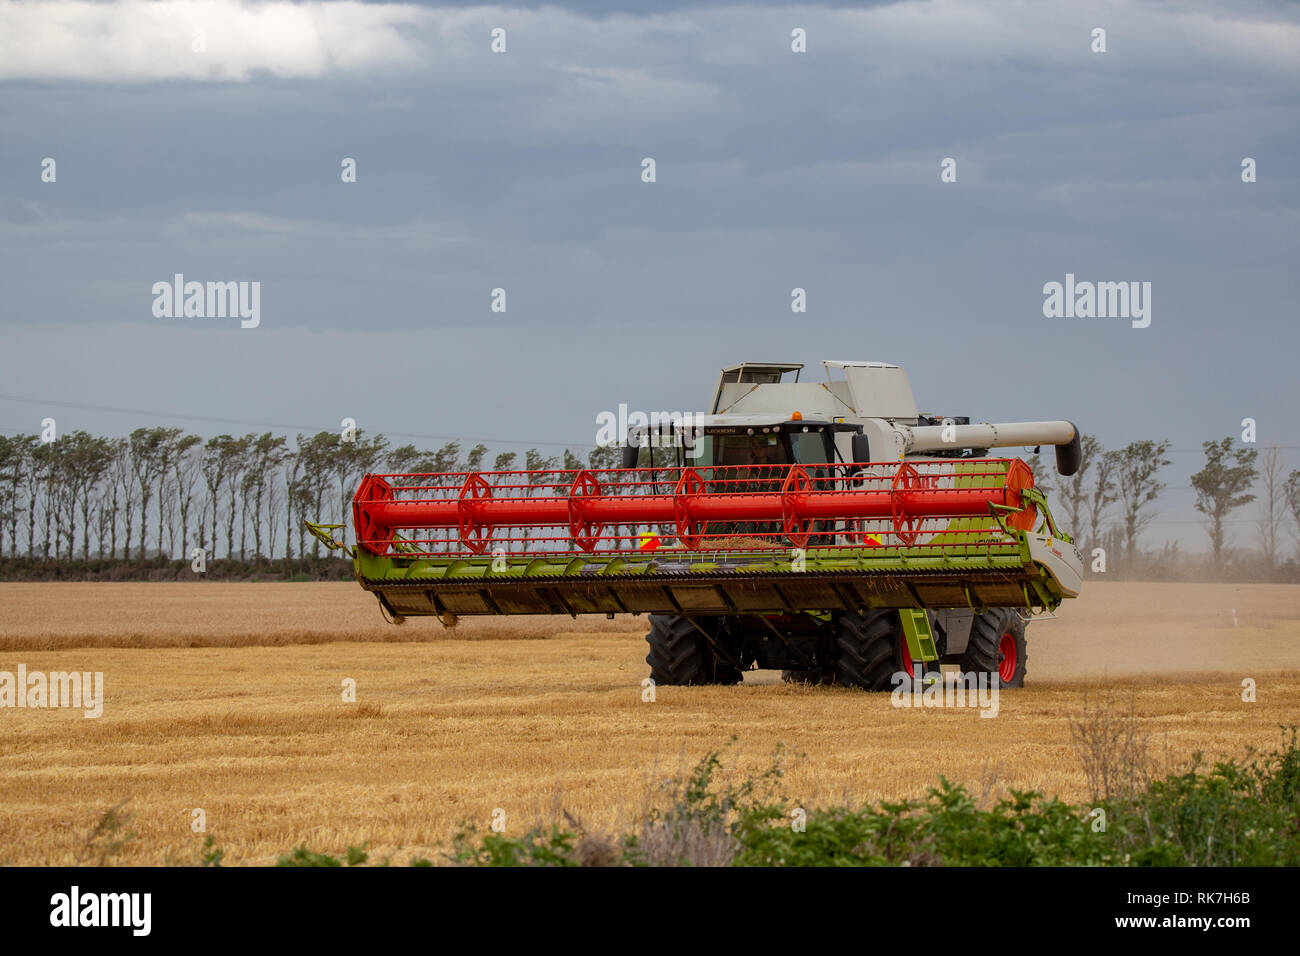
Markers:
<point>720,442</point>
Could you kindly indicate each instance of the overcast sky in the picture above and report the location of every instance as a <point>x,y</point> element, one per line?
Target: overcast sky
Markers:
<point>523,170</point>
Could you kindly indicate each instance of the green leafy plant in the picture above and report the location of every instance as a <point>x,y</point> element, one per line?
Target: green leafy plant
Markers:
<point>301,856</point>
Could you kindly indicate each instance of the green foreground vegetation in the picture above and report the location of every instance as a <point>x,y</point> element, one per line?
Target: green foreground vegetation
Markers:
<point>1236,813</point>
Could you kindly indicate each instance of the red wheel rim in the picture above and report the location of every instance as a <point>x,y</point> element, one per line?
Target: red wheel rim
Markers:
<point>1007,658</point>
<point>907,657</point>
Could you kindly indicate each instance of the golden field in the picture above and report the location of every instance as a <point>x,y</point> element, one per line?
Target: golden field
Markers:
<point>227,697</point>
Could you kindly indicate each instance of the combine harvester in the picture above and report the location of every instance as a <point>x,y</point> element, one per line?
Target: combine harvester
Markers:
<point>826,529</point>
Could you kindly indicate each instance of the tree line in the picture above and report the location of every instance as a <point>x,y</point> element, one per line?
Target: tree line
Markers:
<point>162,492</point>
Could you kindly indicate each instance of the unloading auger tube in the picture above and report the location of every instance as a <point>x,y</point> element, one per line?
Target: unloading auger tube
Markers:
<point>767,540</point>
<point>1063,435</point>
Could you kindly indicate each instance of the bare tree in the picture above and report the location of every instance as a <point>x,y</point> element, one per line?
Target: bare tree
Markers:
<point>147,458</point>
<point>121,476</point>
<point>166,454</point>
<point>290,471</point>
<point>1073,490</point>
<point>26,454</point>
<point>1137,467</point>
<point>186,468</point>
<point>46,473</point>
<point>301,495</point>
<point>92,458</point>
<point>6,498</point>
<point>10,479</point>
<point>14,467</point>
<point>1272,502</point>
<point>317,456</point>
<point>264,457</point>
<point>275,503</point>
<point>169,512</point>
<point>66,487</point>
<point>1103,495</point>
<point>104,518</point>
<point>237,495</point>
<point>219,456</point>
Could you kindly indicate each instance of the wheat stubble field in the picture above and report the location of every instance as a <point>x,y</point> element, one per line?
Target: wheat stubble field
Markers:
<point>227,697</point>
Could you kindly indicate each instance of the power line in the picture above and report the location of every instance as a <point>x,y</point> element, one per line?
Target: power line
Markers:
<point>1269,445</point>
<point>1206,521</point>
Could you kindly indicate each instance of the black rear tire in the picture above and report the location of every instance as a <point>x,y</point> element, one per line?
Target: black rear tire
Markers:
<point>997,647</point>
<point>680,655</point>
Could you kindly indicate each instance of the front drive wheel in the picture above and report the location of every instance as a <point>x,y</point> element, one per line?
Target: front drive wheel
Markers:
<point>681,655</point>
<point>997,647</point>
<point>873,649</point>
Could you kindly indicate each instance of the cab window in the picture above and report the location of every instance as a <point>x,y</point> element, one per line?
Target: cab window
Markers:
<point>809,448</point>
<point>749,450</point>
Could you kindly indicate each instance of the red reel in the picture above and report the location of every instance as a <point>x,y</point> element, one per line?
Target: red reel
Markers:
<point>376,538</point>
<point>584,532</point>
<point>689,486</point>
<point>797,530</point>
<point>906,479</point>
<point>473,535</point>
<point>1019,477</point>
